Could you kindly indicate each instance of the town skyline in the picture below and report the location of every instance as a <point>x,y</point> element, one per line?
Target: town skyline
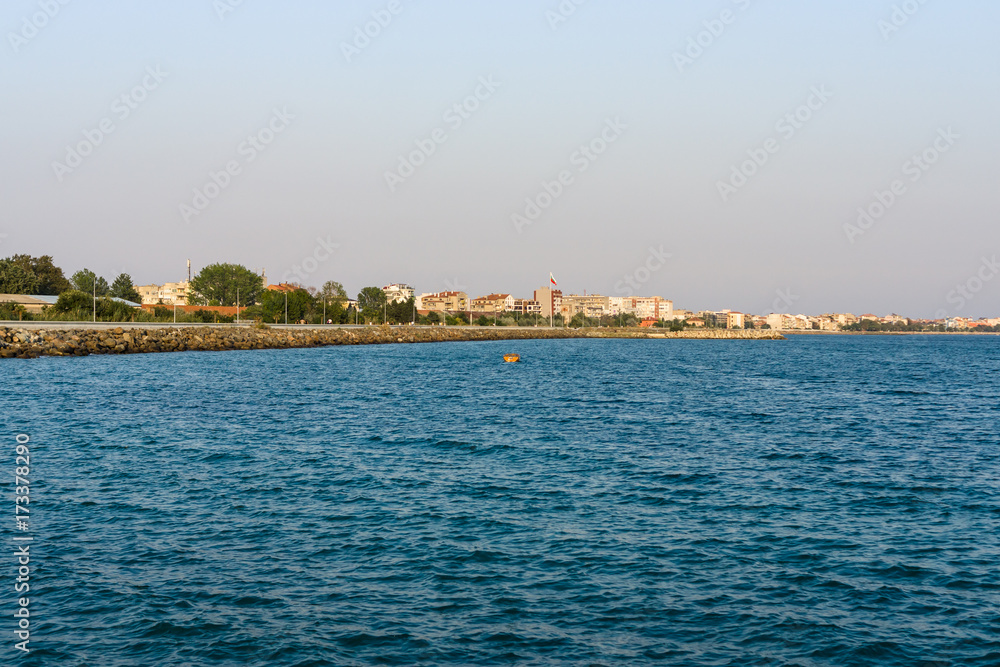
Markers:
<point>648,307</point>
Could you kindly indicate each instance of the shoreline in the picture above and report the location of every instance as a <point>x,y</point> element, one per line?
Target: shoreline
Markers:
<point>80,340</point>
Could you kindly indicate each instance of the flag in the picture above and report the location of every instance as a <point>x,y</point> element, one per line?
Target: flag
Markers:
<point>552,279</point>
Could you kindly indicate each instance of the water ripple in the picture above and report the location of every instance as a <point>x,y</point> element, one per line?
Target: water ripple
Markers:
<point>822,501</point>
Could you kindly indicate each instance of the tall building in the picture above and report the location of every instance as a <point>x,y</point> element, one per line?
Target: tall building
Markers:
<point>550,300</point>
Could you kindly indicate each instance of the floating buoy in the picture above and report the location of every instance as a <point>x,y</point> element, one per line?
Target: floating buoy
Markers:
<point>510,358</point>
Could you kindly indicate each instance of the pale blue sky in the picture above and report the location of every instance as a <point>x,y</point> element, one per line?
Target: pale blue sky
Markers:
<point>449,223</point>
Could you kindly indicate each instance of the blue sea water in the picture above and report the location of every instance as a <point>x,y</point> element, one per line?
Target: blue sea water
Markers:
<point>816,501</point>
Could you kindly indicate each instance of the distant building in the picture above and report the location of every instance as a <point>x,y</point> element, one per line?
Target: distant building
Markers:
<point>398,293</point>
<point>643,307</point>
<point>493,303</point>
<point>444,302</point>
<point>32,303</point>
<point>591,305</point>
<point>783,321</point>
<point>527,307</point>
<point>169,294</point>
<point>550,300</point>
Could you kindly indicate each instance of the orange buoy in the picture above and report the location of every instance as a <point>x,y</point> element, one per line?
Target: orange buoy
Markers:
<point>510,358</point>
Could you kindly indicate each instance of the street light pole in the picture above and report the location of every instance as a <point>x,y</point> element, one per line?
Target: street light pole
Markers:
<point>286,308</point>
<point>95,298</point>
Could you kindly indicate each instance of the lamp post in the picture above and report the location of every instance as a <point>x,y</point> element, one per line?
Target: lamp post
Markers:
<point>237,305</point>
<point>286,308</point>
<point>95,298</point>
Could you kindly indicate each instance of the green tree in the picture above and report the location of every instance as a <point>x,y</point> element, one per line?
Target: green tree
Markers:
<point>335,296</point>
<point>123,288</point>
<point>402,311</point>
<point>83,281</point>
<point>15,280</point>
<point>371,301</point>
<point>333,291</point>
<point>335,311</point>
<point>301,306</point>
<point>74,301</point>
<point>219,284</point>
<point>51,280</point>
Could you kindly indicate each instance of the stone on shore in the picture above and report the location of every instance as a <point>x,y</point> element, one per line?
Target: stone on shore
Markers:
<point>30,344</point>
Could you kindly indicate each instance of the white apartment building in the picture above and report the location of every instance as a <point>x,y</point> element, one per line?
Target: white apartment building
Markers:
<point>397,292</point>
<point>643,307</point>
<point>169,294</point>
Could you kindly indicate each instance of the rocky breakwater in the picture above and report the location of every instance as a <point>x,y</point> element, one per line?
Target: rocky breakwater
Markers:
<point>28,343</point>
<point>25,343</point>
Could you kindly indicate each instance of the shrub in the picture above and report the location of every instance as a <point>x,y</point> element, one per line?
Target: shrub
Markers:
<point>74,300</point>
<point>13,311</point>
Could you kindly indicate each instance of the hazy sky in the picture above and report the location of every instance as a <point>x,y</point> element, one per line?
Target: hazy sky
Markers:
<point>318,124</point>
